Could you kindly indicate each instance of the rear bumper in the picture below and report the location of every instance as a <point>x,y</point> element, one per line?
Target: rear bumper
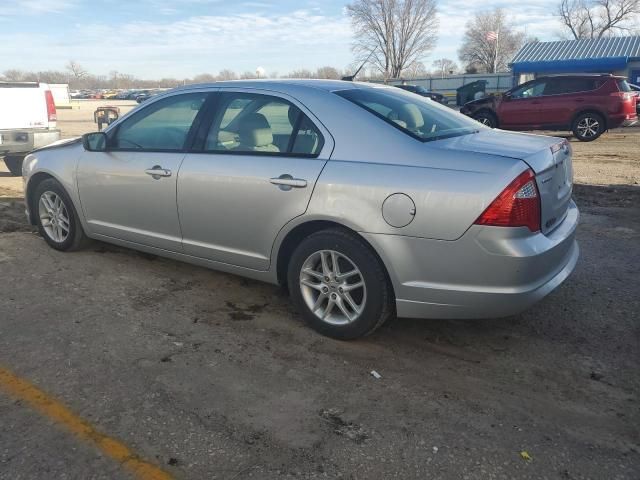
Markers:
<point>623,120</point>
<point>22,141</point>
<point>489,272</point>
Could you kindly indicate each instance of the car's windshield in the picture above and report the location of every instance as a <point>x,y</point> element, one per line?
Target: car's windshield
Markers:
<point>414,115</point>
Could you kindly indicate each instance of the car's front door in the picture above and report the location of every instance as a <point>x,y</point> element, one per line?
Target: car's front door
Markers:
<point>129,191</point>
<point>521,108</point>
<point>258,163</point>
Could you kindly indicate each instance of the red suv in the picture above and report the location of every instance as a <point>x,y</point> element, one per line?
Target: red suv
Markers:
<point>586,104</point>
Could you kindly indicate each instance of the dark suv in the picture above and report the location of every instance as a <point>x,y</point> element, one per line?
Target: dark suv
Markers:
<point>586,104</point>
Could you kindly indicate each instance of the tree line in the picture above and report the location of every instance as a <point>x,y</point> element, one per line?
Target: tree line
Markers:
<point>79,78</point>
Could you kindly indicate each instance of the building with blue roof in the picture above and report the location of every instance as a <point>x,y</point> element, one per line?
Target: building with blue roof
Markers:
<point>616,55</point>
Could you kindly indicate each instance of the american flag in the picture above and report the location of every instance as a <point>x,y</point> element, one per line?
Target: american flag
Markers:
<point>492,36</point>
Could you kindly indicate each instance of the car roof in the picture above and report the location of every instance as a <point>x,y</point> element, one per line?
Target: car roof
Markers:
<point>579,75</point>
<point>285,85</point>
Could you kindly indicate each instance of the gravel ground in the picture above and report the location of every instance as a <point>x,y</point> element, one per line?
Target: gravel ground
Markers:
<point>213,376</point>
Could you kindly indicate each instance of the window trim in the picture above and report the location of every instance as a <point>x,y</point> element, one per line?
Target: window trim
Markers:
<point>198,145</point>
<point>533,84</point>
<point>577,92</point>
<point>189,140</point>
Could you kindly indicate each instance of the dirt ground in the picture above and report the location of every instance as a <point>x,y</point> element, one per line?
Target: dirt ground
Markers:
<point>210,375</point>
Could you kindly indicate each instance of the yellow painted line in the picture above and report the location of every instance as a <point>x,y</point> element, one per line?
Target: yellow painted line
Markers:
<point>82,429</point>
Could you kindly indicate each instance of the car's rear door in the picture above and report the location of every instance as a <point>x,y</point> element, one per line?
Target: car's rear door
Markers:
<point>129,191</point>
<point>258,160</point>
<point>564,97</point>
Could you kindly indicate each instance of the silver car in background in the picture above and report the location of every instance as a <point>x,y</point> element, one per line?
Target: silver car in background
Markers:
<point>366,201</point>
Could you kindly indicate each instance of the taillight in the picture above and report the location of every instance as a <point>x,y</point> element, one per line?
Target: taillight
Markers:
<point>624,96</point>
<point>517,206</point>
<point>564,144</point>
<point>51,106</point>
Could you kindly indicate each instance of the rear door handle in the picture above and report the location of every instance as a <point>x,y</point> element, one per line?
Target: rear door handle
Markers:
<point>579,99</point>
<point>287,182</point>
<point>157,172</point>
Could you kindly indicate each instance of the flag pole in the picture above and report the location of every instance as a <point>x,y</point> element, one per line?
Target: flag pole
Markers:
<point>495,56</point>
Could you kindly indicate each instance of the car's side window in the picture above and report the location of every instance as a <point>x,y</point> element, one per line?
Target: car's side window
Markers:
<point>261,124</point>
<point>163,125</point>
<point>535,89</point>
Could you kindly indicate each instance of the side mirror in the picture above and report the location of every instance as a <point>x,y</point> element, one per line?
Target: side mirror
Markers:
<point>506,95</point>
<point>95,142</point>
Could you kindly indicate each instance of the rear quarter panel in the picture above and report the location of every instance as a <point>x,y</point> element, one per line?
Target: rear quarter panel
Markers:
<point>449,190</point>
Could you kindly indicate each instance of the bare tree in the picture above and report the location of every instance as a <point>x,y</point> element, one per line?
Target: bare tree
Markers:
<point>76,69</point>
<point>227,75</point>
<point>599,18</point>
<point>489,42</point>
<point>15,75</point>
<point>396,33</point>
<point>328,72</point>
<point>301,73</point>
<point>415,70</point>
<point>204,78</point>
<point>445,66</point>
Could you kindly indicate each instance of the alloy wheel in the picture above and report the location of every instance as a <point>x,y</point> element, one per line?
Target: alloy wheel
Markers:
<point>333,287</point>
<point>54,216</point>
<point>588,127</point>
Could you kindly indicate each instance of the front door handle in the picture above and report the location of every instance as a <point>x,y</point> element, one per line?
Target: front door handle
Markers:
<point>287,182</point>
<point>157,172</point>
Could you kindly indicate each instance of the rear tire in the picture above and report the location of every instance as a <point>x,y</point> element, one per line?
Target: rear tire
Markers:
<point>588,126</point>
<point>346,302</point>
<point>14,164</point>
<point>488,119</point>
<point>56,217</point>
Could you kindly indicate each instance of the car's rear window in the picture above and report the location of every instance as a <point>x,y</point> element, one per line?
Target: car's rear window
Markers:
<point>623,86</point>
<point>417,117</point>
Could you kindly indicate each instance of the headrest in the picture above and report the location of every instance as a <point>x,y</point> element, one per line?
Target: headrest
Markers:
<point>410,114</point>
<point>255,131</point>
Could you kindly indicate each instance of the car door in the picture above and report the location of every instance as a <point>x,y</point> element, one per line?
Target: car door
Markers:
<point>255,170</point>
<point>563,97</point>
<point>520,109</point>
<point>128,192</point>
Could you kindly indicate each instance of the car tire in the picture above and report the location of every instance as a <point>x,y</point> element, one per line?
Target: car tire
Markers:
<point>588,126</point>
<point>486,118</point>
<point>56,217</point>
<point>14,164</point>
<point>355,310</point>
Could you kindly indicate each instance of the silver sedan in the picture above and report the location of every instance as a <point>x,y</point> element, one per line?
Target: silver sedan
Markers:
<point>366,201</point>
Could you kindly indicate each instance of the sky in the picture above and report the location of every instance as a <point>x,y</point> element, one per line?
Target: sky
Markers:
<point>155,39</point>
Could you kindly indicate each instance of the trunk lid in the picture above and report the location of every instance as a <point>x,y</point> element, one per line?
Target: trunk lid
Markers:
<point>549,157</point>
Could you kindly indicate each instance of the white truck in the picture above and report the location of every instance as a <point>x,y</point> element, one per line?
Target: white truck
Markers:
<point>27,121</point>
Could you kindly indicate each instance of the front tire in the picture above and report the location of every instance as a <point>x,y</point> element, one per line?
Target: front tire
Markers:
<point>339,285</point>
<point>588,126</point>
<point>488,119</point>
<point>14,164</point>
<point>56,217</point>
